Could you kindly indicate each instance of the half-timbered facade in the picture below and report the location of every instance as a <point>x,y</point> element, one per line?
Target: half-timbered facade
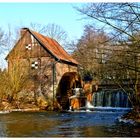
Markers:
<point>43,58</point>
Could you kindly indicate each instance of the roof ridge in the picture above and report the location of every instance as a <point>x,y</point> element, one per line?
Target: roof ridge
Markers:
<point>51,46</point>
<point>57,51</point>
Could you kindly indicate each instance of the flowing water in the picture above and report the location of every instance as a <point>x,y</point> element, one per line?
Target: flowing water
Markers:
<point>100,121</point>
<point>66,124</point>
<point>111,98</point>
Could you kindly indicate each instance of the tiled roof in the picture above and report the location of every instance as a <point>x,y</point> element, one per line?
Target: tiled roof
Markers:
<point>53,47</point>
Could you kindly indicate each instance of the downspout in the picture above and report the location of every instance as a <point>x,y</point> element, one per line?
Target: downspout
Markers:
<point>53,79</point>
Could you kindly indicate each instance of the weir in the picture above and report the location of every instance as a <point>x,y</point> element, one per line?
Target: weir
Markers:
<point>111,98</point>
<point>71,95</point>
<point>106,100</point>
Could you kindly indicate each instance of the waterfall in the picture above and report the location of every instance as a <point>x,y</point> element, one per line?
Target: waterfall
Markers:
<point>111,98</point>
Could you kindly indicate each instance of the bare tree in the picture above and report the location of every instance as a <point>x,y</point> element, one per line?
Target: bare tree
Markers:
<point>88,50</point>
<point>51,30</point>
<point>2,41</point>
<point>122,18</point>
<point>122,23</point>
<point>56,32</point>
<point>38,27</point>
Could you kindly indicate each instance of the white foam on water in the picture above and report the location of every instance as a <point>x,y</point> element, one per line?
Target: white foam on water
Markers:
<point>5,112</point>
<point>126,121</point>
<point>89,105</point>
<point>110,108</point>
<point>90,108</point>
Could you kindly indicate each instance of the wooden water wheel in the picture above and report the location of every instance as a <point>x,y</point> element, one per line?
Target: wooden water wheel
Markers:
<point>68,82</point>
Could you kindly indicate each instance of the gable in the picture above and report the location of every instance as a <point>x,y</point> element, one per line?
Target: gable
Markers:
<point>54,48</point>
<point>35,45</point>
<point>27,46</point>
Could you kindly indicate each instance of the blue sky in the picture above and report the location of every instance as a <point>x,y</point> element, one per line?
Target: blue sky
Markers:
<point>63,14</point>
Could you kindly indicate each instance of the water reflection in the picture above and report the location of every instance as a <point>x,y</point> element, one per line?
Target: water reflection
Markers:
<point>54,124</point>
<point>25,124</point>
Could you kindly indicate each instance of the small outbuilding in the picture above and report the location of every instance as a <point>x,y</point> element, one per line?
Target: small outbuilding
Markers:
<point>43,59</point>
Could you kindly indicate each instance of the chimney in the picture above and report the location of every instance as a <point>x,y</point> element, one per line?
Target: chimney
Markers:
<point>22,31</point>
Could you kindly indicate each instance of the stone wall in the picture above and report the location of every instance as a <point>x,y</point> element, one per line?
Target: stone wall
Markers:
<point>62,68</point>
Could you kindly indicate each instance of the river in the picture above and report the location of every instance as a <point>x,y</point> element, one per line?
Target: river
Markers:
<point>67,124</point>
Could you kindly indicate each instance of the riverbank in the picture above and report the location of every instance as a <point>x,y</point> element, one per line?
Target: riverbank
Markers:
<point>132,116</point>
<point>20,110</point>
<point>6,107</point>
